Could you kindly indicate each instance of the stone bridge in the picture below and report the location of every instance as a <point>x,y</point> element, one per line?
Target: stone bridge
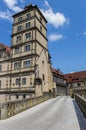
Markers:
<point>60,113</point>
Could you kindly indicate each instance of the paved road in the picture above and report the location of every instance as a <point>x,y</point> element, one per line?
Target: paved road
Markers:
<point>61,113</point>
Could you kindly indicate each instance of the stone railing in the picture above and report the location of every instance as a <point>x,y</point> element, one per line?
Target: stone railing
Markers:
<point>81,102</point>
<point>80,91</point>
<point>14,107</point>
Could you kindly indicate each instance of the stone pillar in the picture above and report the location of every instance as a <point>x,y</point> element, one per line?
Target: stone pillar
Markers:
<point>54,93</point>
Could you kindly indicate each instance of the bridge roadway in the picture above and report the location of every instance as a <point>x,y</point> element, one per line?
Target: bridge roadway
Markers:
<point>61,113</point>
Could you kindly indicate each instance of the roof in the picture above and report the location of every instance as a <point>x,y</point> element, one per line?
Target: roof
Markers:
<point>1,46</point>
<point>30,7</point>
<point>4,47</point>
<point>75,77</point>
<point>57,73</point>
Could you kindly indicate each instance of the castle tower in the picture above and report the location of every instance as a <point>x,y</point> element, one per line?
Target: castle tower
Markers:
<point>29,52</point>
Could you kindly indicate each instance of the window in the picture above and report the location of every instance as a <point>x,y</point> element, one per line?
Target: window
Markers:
<point>19,28</point>
<point>1,54</point>
<point>42,63</point>
<point>26,64</point>
<point>18,38</point>
<point>17,81</point>
<point>0,83</point>
<point>40,19</point>
<point>17,50</point>
<point>27,48</point>
<point>17,65</point>
<point>78,84</point>
<point>28,15</point>
<point>23,81</point>
<point>41,28</point>
<point>28,35</point>
<point>28,25</point>
<point>19,19</point>
<point>24,96</point>
<point>17,96</point>
<point>0,67</point>
<point>43,77</point>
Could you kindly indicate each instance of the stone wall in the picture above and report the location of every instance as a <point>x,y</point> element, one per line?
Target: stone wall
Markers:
<point>80,91</point>
<point>14,107</point>
<point>81,102</point>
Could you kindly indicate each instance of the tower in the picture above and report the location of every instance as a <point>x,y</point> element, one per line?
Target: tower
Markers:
<point>30,60</point>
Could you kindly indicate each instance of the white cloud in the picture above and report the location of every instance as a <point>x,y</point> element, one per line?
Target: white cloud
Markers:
<point>77,34</point>
<point>12,4</point>
<point>55,37</point>
<point>6,15</point>
<point>22,1</point>
<point>85,33</point>
<point>56,19</point>
<point>47,4</point>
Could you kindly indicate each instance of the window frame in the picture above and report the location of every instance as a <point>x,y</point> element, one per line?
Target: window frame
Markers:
<point>20,19</point>
<point>0,67</point>
<point>27,48</point>
<point>17,81</point>
<point>28,35</point>
<point>17,50</point>
<point>28,24</point>
<point>26,65</point>
<point>17,65</point>
<point>23,81</point>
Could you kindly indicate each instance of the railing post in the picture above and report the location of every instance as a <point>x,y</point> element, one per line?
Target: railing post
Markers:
<point>54,93</point>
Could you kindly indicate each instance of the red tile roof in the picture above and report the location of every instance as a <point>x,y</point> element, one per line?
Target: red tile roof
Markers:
<point>75,77</point>
<point>57,73</point>
<point>2,46</point>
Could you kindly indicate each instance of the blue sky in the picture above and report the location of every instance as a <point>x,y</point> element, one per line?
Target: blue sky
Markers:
<point>66,29</point>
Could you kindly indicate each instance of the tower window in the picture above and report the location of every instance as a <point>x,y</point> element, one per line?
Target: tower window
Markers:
<point>0,84</point>
<point>41,28</point>
<point>40,19</point>
<point>1,54</point>
<point>27,48</point>
<point>28,15</point>
<point>28,35</point>
<point>17,96</point>
<point>19,19</point>
<point>28,25</point>
<point>0,68</point>
<point>19,28</point>
<point>43,77</point>
<point>23,81</point>
<point>18,38</point>
<point>17,81</point>
<point>24,96</point>
<point>27,64</point>
<point>17,49</point>
<point>17,65</point>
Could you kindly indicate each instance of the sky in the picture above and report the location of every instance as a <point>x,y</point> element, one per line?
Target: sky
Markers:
<point>66,29</point>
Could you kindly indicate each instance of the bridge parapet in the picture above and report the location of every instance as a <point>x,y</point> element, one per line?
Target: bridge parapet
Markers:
<point>81,102</point>
<point>14,107</point>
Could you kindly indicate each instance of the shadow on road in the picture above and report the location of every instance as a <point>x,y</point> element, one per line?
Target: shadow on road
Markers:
<point>80,116</point>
